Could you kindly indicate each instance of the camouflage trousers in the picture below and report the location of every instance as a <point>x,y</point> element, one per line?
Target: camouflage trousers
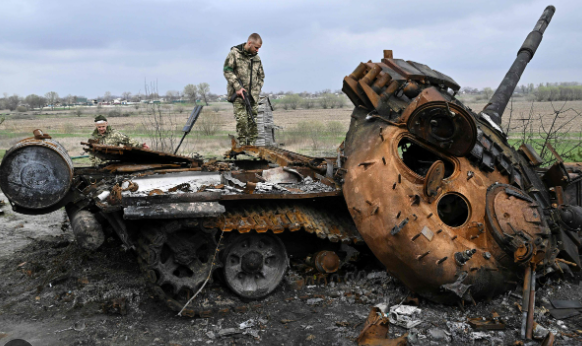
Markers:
<point>246,131</point>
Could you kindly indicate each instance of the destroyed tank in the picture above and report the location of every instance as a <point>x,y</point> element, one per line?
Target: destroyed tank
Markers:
<point>430,187</point>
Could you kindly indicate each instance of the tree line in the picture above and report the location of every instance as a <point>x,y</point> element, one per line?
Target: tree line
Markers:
<point>563,91</point>
<point>18,103</point>
<point>191,93</point>
<point>325,99</point>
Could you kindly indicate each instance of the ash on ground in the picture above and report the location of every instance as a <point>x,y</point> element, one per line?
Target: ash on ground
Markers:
<point>55,293</point>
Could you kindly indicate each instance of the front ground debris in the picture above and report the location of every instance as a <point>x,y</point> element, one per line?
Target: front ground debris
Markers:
<point>51,284</point>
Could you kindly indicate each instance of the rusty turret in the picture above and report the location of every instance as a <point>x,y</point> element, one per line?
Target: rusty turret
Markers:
<point>436,191</point>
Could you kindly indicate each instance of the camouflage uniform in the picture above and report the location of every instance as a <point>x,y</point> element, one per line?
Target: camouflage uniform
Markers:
<point>111,137</point>
<point>241,64</point>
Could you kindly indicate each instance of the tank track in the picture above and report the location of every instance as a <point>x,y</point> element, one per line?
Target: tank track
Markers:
<point>323,217</point>
<point>261,216</point>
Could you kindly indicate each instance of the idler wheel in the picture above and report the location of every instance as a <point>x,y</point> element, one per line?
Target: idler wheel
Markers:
<point>254,264</point>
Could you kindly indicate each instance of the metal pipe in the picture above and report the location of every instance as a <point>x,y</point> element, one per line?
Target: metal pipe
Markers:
<point>500,98</point>
<point>530,310</point>
<point>525,301</point>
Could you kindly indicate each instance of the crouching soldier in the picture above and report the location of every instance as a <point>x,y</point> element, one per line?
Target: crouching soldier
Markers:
<point>106,135</point>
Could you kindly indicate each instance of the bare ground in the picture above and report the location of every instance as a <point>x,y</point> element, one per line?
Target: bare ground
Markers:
<point>54,293</point>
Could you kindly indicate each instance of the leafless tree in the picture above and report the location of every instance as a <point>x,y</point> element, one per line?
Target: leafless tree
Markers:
<point>162,128</point>
<point>191,93</point>
<point>556,129</point>
<point>126,95</point>
<point>51,97</point>
<point>204,90</point>
<point>151,90</point>
<point>107,96</point>
<point>70,99</point>
<point>11,102</point>
<point>137,97</point>
<point>212,97</point>
<point>172,95</point>
<point>35,101</point>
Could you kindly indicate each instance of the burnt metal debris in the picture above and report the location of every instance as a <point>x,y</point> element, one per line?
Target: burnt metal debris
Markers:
<point>430,187</point>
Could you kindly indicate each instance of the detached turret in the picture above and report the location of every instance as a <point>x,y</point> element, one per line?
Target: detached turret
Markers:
<point>498,102</point>
<point>438,193</point>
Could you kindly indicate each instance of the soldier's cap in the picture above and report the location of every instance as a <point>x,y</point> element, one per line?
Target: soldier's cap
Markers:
<point>100,119</point>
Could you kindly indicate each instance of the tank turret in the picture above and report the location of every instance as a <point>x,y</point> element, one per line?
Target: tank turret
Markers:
<point>437,192</point>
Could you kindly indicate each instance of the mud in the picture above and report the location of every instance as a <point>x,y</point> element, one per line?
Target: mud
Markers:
<point>54,293</point>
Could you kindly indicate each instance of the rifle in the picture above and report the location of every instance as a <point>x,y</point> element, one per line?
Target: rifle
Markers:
<point>247,101</point>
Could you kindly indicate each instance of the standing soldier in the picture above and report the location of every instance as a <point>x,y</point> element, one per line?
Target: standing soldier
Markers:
<point>244,72</point>
<point>105,134</point>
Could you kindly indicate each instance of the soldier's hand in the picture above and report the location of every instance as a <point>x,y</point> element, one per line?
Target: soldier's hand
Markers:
<point>240,92</point>
<point>145,146</point>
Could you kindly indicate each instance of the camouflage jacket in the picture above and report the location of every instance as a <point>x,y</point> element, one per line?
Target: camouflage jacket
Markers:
<point>111,137</point>
<point>238,63</point>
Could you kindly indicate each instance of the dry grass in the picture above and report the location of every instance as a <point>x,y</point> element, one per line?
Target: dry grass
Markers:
<point>70,129</point>
<point>543,114</point>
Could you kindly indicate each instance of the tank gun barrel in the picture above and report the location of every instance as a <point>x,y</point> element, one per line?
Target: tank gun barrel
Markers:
<point>500,98</point>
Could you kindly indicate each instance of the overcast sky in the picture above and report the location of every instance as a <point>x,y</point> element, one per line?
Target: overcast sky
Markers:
<point>89,47</point>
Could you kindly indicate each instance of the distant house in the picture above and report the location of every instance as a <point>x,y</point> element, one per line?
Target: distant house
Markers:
<point>80,101</point>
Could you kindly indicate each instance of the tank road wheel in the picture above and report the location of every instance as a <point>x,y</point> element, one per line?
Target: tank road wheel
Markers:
<point>177,262</point>
<point>185,260</point>
<point>254,264</point>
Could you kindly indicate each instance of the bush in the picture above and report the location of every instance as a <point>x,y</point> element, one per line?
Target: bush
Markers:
<point>24,116</point>
<point>179,108</point>
<point>335,128</point>
<point>308,103</point>
<point>559,93</point>
<point>68,128</point>
<point>116,113</point>
<point>291,101</point>
<point>314,129</point>
<point>21,109</point>
<point>208,123</point>
<point>340,101</point>
<point>327,100</point>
